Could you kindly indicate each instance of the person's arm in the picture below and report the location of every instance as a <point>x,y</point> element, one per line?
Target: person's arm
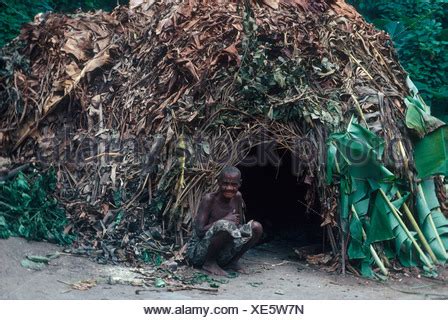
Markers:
<point>201,222</point>
<point>240,205</point>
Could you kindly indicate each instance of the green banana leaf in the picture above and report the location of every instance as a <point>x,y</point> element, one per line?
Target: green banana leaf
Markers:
<point>362,207</point>
<point>403,245</point>
<point>357,154</point>
<point>355,157</point>
<point>380,228</point>
<point>380,225</point>
<point>331,158</point>
<point>442,226</point>
<point>385,226</point>
<point>366,269</point>
<point>419,118</point>
<point>356,248</point>
<point>429,190</point>
<point>361,192</point>
<point>360,199</point>
<point>427,208</point>
<point>431,154</point>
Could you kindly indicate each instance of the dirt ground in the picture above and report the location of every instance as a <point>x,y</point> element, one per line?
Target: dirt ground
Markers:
<point>273,274</point>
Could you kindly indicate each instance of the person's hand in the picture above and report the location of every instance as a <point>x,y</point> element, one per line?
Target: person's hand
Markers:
<point>233,217</point>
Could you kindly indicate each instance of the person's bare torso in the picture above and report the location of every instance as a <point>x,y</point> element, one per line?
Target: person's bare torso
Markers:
<point>219,209</point>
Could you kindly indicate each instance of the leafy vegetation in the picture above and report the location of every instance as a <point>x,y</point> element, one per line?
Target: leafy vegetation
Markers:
<point>371,206</point>
<point>264,72</point>
<point>431,161</point>
<point>13,14</point>
<point>152,258</point>
<point>28,209</point>
<point>419,30</point>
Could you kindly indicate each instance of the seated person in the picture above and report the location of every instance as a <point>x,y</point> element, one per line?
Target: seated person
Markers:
<point>219,238</point>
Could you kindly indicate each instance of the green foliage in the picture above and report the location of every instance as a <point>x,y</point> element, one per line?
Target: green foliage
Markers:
<point>85,5</point>
<point>13,14</point>
<point>200,278</point>
<point>370,202</point>
<point>27,209</point>
<point>265,73</point>
<point>434,224</point>
<point>419,30</point>
<point>431,161</point>
<point>418,117</point>
<point>152,258</point>
<point>357,153</point>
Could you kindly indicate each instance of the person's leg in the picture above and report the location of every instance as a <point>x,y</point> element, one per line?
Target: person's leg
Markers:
<point>257,232</point>
<point>217,243</point>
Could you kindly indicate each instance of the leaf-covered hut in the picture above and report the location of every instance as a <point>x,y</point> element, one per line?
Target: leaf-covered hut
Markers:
<point>138,110</point>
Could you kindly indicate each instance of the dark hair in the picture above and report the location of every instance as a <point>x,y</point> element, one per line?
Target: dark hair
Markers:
<point>229,170</point>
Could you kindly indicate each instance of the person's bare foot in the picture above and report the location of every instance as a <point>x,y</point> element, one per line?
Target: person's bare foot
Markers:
<point>213,268</point>
<point>236,266</point>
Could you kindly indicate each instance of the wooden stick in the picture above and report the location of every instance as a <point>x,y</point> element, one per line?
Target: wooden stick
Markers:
<point>360,65</point>
<point>418,230</point>
<point>14,172</point>
<point>341,232</point>
<point>406,230</point>
<point>109,154</point>
<point>359,109</point>
<point>332,239</point>
<point>343,255</point>
<point>192,288</point>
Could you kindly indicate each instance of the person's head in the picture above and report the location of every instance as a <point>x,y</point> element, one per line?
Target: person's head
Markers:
<point>229,181</point>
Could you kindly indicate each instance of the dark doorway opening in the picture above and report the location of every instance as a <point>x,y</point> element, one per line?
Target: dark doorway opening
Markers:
<point>275,197</point>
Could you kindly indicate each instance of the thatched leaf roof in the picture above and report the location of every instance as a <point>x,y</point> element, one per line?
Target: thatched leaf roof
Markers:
<point>124,104</point>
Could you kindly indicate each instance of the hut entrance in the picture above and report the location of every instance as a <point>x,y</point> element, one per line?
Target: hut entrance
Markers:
<point>276,199</point>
